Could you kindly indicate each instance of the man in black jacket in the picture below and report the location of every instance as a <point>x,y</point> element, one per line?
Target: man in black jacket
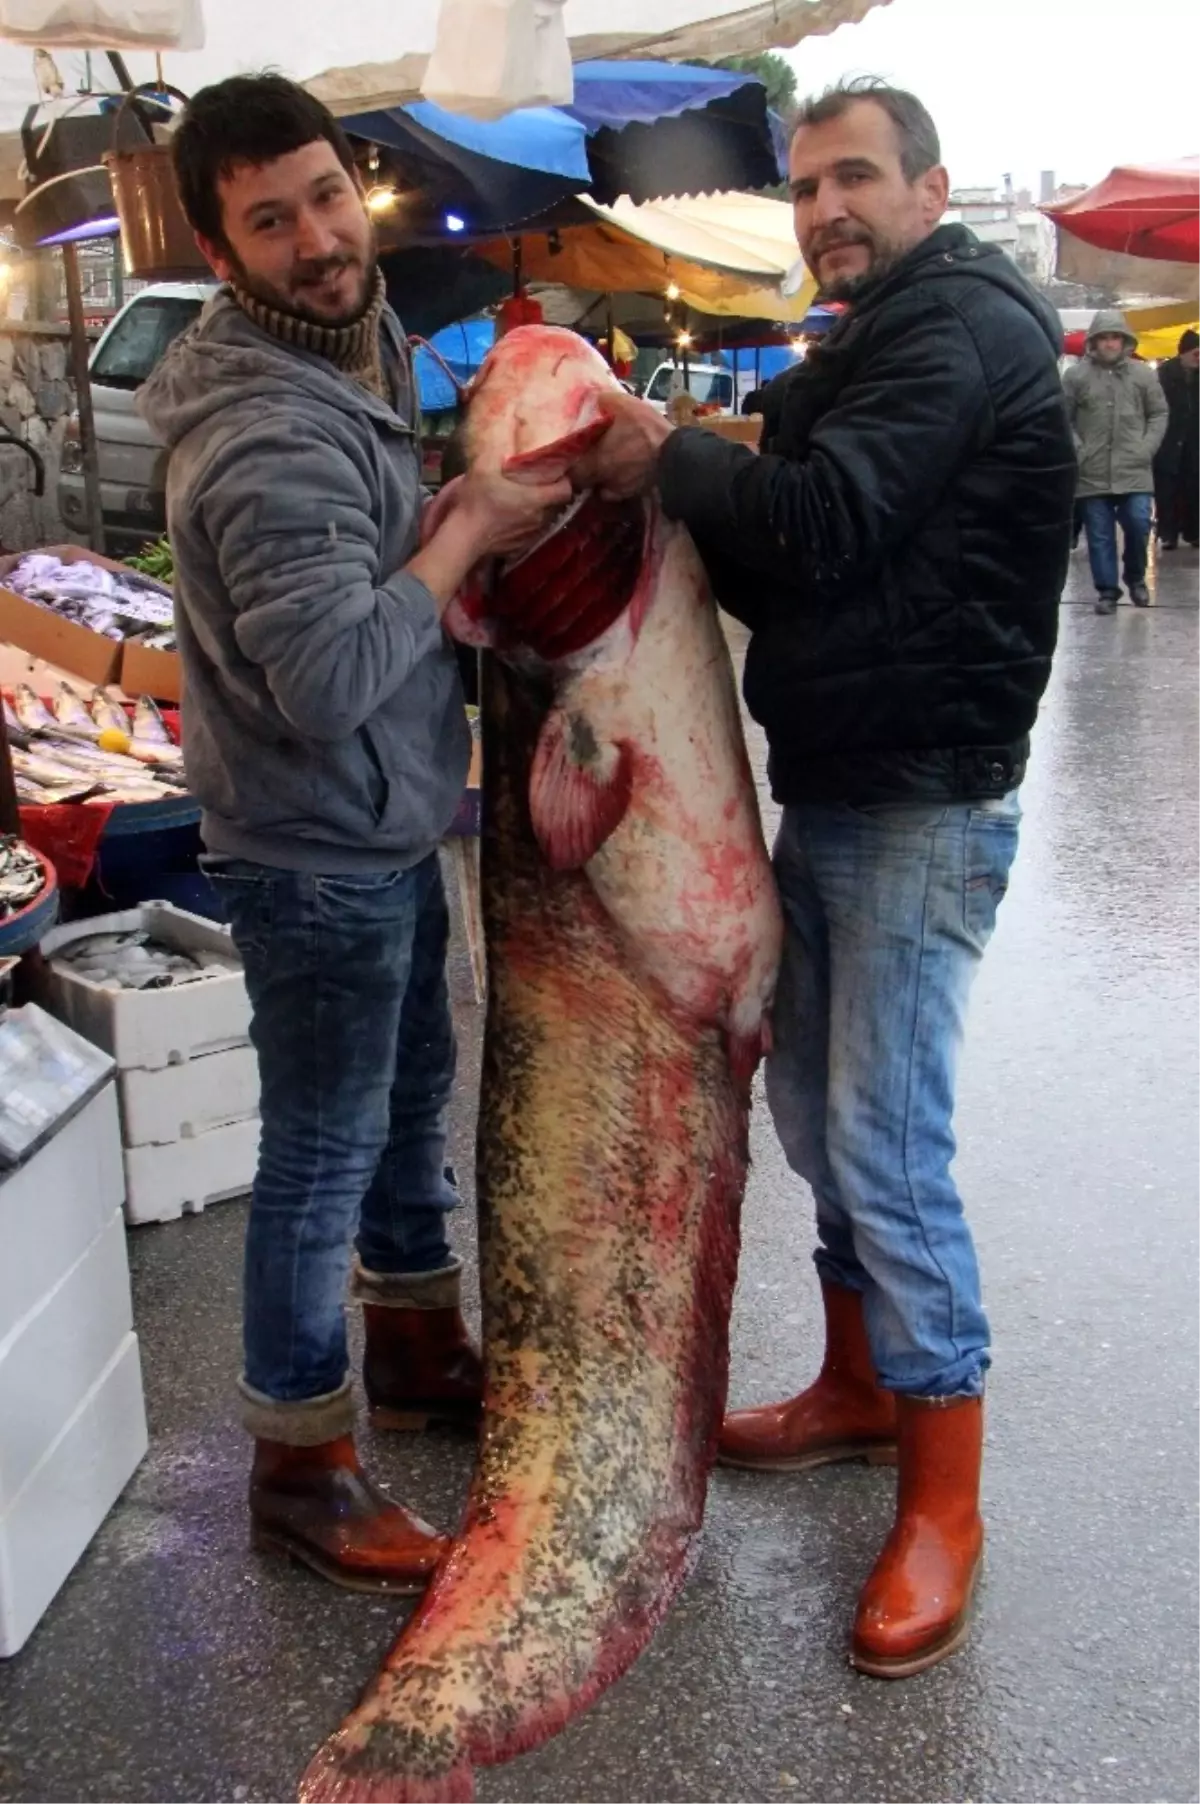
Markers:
<point>898,551</point>
<point>1177,463</point>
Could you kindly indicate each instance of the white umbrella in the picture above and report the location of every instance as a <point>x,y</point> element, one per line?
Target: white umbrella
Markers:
<point>374,53</point>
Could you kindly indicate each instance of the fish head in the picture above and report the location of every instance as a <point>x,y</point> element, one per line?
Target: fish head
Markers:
<point>536,403</point>
<point>535,407</point>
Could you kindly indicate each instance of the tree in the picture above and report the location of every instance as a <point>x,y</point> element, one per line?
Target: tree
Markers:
<point>775,73</point>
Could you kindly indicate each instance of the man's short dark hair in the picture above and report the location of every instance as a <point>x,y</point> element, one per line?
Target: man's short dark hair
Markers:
<point>919,147</point>
<point>1189,340</point>
<point>246,119</point>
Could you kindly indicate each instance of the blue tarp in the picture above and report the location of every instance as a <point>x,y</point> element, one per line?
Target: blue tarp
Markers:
<point>613,95</point>
<point>632,128</point>
<point>618,94</point>
<point>464,347</point>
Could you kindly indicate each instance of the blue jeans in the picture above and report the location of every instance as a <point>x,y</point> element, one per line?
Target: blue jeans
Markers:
<point>887,913</point>
<point>1101,516</point>
<point>356,1054</point>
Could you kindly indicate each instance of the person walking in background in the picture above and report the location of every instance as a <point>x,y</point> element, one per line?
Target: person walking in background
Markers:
<point>1118,414</point>
<point>1177,466</point>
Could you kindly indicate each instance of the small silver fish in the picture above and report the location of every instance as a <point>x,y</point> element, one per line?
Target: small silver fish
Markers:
<point>148,723</point>
<point>71,711</point>
<point>108,713</point>
<point>32,711</point>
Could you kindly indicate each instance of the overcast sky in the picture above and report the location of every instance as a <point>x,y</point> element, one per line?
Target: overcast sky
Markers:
<point>1023,85</point>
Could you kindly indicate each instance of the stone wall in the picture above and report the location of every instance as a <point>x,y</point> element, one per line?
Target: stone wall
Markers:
<point>36,400</point>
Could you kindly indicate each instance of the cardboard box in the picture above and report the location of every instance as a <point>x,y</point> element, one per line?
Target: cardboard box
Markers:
<point>156,673</point>
<point>52,1358</point>
<point>161,1107</point>
<point>740,431</point>
<point>66,1498</point>
<point>53,1207</point>
<point>152,1029</point>
<point>162,1182</point>
<point>44,634</point>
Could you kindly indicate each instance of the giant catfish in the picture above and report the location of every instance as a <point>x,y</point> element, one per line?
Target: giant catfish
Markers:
<point>633,934</point>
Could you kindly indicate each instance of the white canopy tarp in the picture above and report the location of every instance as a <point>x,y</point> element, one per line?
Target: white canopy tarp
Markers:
<point>372,53</point>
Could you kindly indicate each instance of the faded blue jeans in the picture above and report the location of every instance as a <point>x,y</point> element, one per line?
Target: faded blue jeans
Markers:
<point>887,913</point>
<point>1101,516</point>
<point>356,1054</point>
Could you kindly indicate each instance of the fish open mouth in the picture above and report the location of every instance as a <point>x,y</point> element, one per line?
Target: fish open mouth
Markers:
<point>562,594</point>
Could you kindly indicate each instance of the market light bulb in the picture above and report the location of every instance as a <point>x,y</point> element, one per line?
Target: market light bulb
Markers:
<point>455,222</point>
<point>672,291</point>
<point>381,199</point>
<point>684,340</point>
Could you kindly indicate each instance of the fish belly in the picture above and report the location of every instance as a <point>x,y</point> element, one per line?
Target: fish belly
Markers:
<point>612,1157</point>
<point>685,874</point>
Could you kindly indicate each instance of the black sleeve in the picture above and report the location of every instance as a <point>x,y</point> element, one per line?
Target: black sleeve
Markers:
<point>875,464</point>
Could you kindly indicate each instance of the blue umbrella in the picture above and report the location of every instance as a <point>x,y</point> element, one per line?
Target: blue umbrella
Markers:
<point>641,128</point>
<point>462,347</point>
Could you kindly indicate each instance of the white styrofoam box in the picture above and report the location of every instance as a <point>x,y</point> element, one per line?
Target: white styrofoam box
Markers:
<point>53,1207</point>
<point>66,1497</point>
<point>161,1182</point>
<point>158,1107</point>
<point>152,1028</point>
<point>53,1355</point>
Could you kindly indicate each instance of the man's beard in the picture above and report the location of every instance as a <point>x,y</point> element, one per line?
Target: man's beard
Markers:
<point>285,302</point>
<point>884,255</point>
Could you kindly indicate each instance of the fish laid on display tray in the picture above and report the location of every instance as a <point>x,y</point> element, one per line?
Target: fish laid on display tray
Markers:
<point>136,961</point>
<point>22,876</point>
<point>59,755</point>
<point>633,934</point>
<point>115,604</point>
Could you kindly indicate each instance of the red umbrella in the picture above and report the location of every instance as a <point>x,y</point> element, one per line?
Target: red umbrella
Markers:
<point>1151,210</point>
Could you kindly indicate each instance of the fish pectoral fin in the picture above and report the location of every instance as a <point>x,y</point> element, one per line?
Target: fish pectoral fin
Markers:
<point>550,462</point>
<point>579,790</point>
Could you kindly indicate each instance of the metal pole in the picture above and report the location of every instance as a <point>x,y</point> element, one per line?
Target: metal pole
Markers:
<point>83,398</point>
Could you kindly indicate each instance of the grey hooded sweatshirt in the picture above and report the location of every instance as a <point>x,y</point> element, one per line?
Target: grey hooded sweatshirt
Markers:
<point>1118,414</point>
<point>323,718</point>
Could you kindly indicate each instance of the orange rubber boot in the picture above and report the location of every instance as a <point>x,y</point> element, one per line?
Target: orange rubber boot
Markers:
<point>420,1366</point>
<point>317,1505</point>
<point>915,1607</point>
<point>844,1415</point>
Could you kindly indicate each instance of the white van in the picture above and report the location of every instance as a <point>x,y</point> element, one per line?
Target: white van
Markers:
<point>708,384</point>
<point>132,462</point>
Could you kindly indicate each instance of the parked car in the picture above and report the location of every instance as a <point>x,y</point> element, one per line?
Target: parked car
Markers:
<point>132,462</point>
<point>707,383</point>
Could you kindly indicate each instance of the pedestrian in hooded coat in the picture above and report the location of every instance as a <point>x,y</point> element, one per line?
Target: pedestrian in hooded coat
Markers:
<point>1118,414</point>
<point>1177,466</point>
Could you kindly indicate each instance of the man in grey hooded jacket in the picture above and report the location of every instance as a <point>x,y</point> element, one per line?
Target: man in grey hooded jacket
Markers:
<point>1118,414</point>
<point>325,736</point>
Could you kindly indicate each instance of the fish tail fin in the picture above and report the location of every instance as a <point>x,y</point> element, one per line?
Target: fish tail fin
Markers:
<point>344,1771</point>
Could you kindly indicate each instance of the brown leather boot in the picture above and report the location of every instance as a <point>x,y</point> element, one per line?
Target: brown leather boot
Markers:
<point>915,1607</point>
<point>317,1505</point>
<point>420,1365</point>
<point>844,1415</point>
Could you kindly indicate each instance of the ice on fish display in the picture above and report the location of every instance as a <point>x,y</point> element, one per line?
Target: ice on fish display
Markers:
<point>22,877</point>
<point>117,606</point>
<point>633,934</point>
<point>58,756</point>
<point>135,961</point>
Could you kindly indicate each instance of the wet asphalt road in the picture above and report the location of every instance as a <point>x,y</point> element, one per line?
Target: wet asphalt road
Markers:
<point>175,1665</point>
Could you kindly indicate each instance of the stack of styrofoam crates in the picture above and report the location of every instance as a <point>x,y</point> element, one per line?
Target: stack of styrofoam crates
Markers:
<point>72,1417</point>
<point>186,1072</point>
